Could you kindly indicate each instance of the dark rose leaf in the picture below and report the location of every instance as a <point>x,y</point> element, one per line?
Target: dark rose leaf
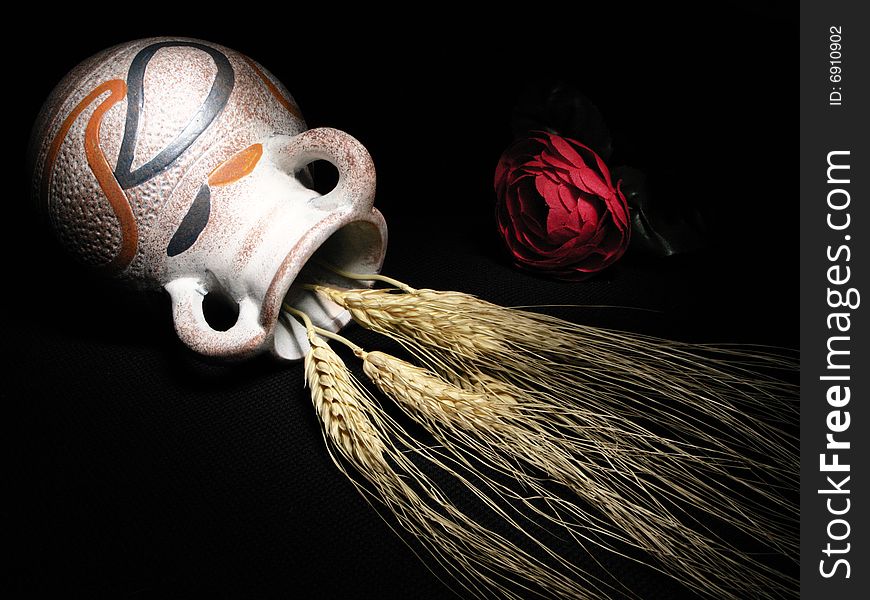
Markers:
<point>659,228</point>
<point>562,109</point>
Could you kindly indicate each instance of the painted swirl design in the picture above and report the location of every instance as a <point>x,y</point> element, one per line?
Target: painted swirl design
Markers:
<point>113,183</point>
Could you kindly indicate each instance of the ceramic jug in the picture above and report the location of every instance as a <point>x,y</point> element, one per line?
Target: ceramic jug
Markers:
<point>181,164</point>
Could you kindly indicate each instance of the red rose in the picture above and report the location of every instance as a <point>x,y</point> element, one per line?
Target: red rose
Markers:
<point>558,210</point>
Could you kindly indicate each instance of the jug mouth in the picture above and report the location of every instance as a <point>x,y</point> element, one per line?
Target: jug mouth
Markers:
<point>351,242</point>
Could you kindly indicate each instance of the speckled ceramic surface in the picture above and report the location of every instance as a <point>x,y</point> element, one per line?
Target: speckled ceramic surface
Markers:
<point>178,163</point>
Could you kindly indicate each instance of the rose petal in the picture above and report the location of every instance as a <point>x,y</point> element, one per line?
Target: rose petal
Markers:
<point>557,177</point>
<point>602,168</point>
<point>555,160</point>
<point>619,207</point>
<point>548,190</point>
<point>591,182</point>
<point>562,226</point>
<point>569,153</point>
<point>533,213</point>
<point>568,196</point>
<point>589,208</point>
<point>534,247</point>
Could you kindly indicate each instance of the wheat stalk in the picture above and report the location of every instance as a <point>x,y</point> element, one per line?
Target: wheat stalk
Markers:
<point>337,398</point>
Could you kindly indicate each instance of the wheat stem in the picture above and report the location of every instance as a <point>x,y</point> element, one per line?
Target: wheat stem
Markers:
<point>365,276</point>
<point>309,325</point>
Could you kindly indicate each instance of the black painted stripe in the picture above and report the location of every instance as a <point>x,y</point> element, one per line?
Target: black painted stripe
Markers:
<point>192,224</point>
<point>217,98</point>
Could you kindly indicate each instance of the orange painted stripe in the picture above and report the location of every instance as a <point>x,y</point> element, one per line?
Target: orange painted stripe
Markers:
<point>236,167</point>
<point>54,149</point>
<point>117,89</point>
<point>106,178</point>
<point>285,102</point>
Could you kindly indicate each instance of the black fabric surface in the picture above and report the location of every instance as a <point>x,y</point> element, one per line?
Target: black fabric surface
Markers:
<point>136,469</point>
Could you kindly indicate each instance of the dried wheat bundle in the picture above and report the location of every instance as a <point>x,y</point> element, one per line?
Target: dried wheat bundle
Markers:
<point>663,444</point>
<point>394,469</point>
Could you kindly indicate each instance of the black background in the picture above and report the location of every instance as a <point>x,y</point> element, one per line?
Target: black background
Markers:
<point>139,470</point>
